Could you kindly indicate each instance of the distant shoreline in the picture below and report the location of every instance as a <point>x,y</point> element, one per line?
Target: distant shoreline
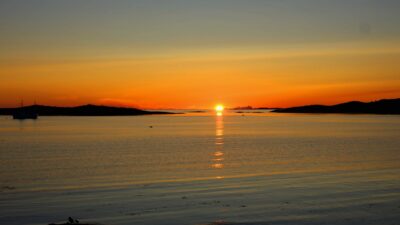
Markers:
<point>84,110</point>
<point>384,106</point>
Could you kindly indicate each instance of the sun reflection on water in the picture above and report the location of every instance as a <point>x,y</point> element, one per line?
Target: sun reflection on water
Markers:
<point>218,160</point>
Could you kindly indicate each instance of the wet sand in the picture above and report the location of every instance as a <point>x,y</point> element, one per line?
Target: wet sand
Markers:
<point>358,197</point>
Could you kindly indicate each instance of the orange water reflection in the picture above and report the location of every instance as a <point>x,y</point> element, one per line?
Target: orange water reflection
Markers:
<point>218,160</point>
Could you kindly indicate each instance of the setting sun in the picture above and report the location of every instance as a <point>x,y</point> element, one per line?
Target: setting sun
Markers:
<point>219,108</point>
<point>200,112</point>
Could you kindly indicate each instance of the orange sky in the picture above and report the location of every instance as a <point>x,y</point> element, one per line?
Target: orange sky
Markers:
<point>218,55</point>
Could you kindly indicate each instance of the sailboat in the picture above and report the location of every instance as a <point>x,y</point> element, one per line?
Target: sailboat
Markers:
<point>25,113</point>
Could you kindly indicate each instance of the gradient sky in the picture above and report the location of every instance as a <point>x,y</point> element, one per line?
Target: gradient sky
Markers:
<point>196,53</point>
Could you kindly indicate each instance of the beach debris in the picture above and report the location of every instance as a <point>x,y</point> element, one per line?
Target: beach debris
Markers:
<point>8,187</point>
<point>70,220</point>
<point>150,126</point>
<point>184,197</point>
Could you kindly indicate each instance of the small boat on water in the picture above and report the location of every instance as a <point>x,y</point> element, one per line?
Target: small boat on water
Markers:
<point>25,113</point>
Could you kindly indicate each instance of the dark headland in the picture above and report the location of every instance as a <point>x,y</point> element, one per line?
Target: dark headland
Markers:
<point>84,110</point>
<point>384,106</point>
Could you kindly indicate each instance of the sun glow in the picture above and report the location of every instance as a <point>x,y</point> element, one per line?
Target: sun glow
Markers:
<point>219,108</point>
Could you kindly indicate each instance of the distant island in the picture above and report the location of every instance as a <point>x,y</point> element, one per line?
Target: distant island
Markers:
<point>251,108</point>
<point>384,106</point>
<point>84,110</point>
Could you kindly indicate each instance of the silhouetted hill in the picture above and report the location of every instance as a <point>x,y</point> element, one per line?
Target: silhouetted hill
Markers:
<point>84,110</point>
<point>384,106</point>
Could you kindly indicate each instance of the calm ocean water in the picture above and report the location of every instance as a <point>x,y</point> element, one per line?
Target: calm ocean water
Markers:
<point>198,168</point>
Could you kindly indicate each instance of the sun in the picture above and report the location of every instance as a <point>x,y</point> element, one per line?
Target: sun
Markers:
<point>219,108</point>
